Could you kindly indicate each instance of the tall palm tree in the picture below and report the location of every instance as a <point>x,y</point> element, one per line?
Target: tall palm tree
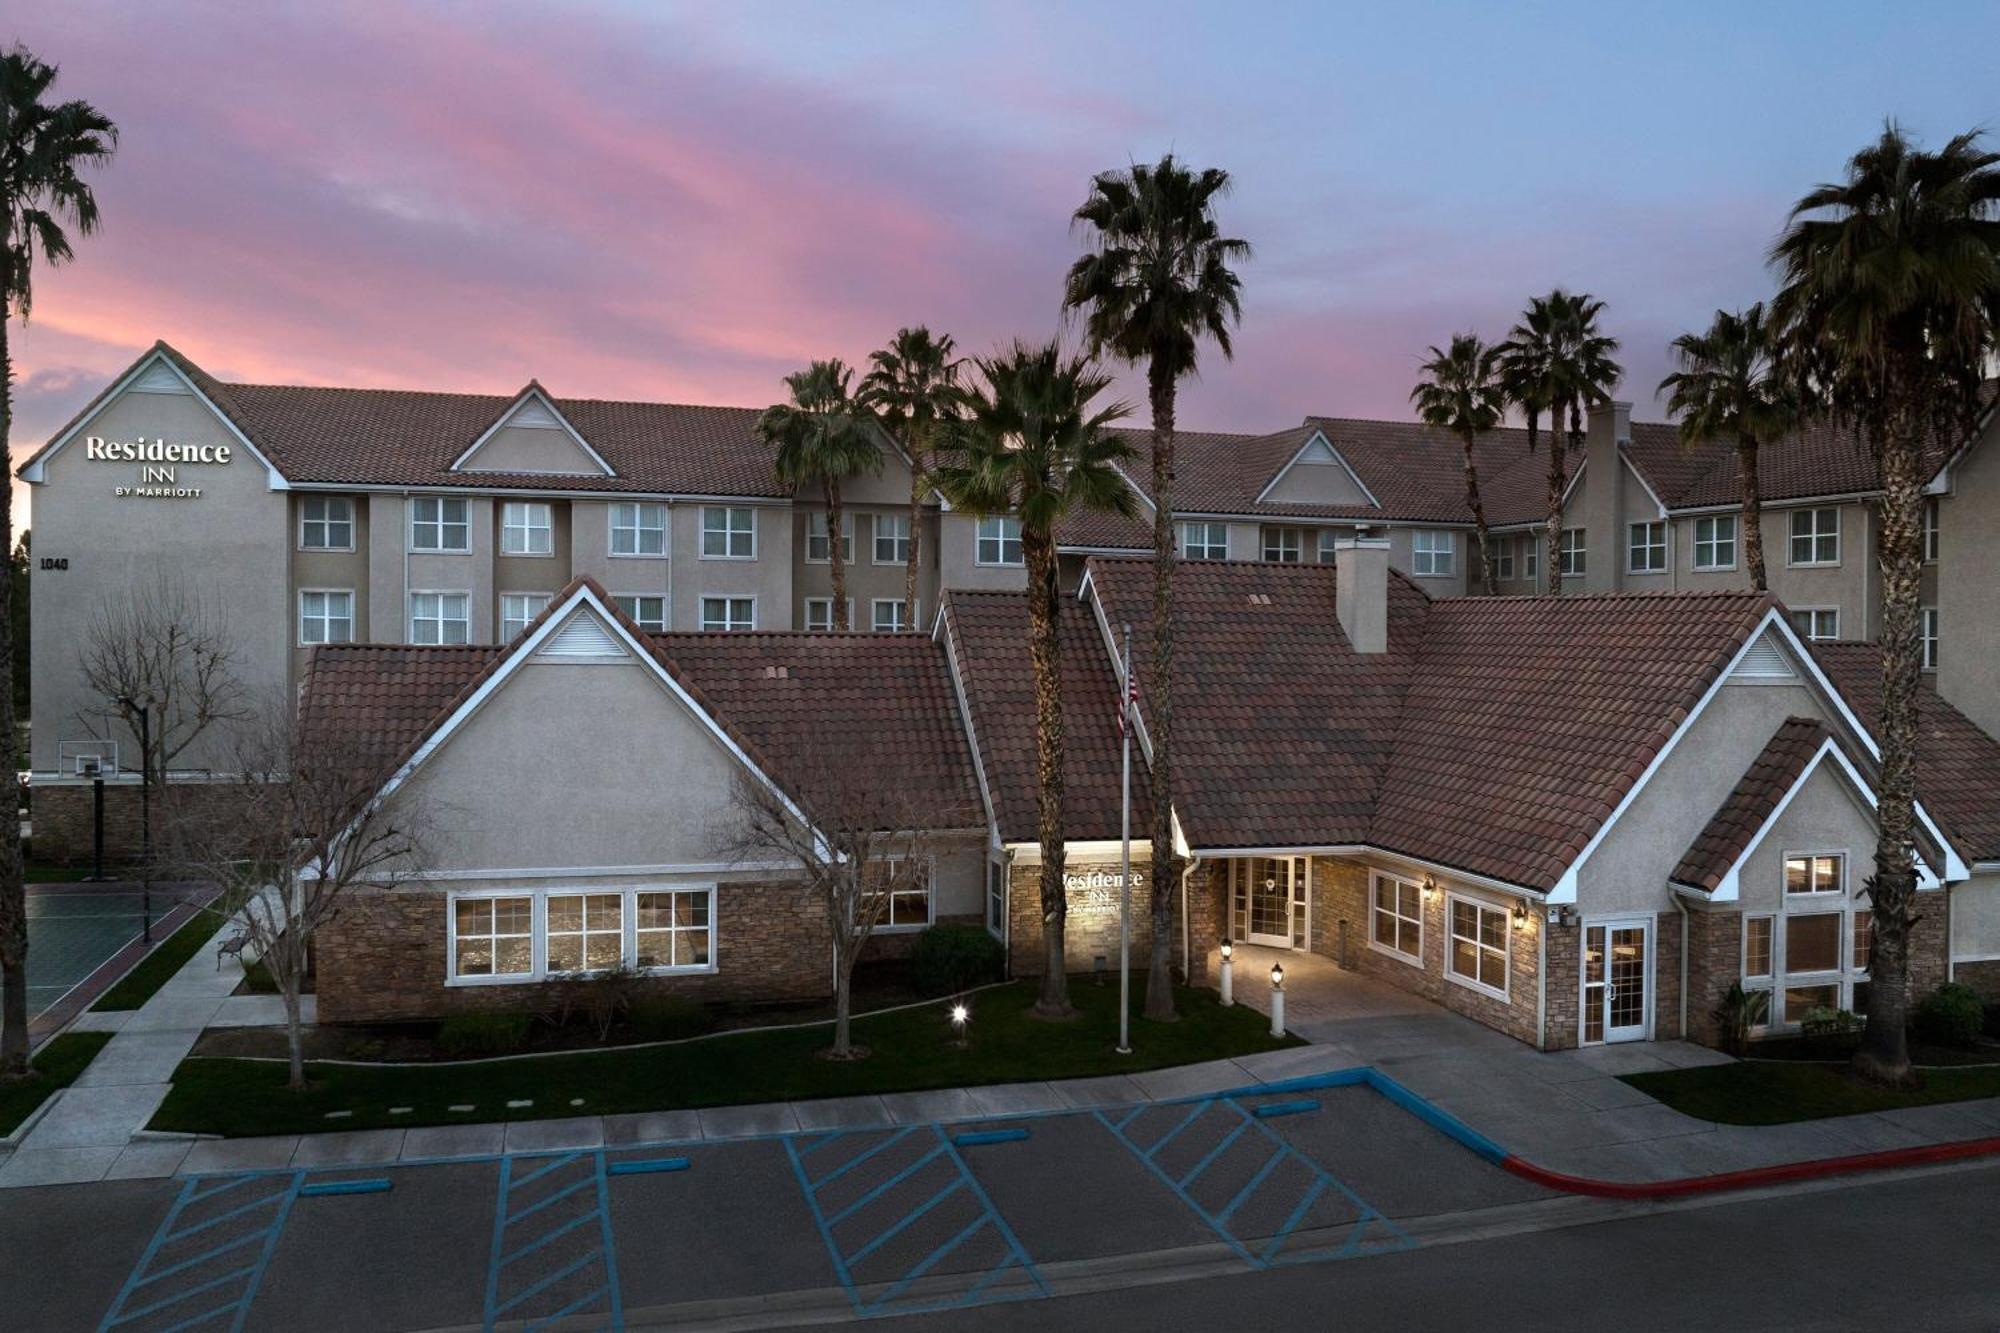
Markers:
<point>1555,360</point>
<point>823,437</point>
<point>44,147</point>
<point>913,390</point>
<point>1890,308</point>
<point>1727,390</point>
<point>1035,442</point>
<point>1156,281</point>
<point>1461,392</point>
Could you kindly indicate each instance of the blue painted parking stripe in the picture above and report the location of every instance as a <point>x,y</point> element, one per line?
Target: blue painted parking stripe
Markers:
<point>220,1218</point>
<point>822,1141</point>
<point>650,1165</point>
<point>1194,1114</point>
<point>1270,1109</point>
<point>1130,1115</point>
<point>180,1296</point>
<point>986,1136</point>
<point>552,1164</point>
<point>262,1233</point>
<point>1250,1186</point>
<point>588,1209</point>
<point>930,1261</point>
<point>375,1185</point>
<point>1221,1147</point>
<point>1297,1215</point>
<point>1435,1116</point>
<point>887,1185</point>
<point>908,1218</point>
<point>859,1157</point>
<point>548,1200</point>
<point>202,1258</point>
<point>1019,1250</point>
<point>581,1219</point>
<point>538,1287</point>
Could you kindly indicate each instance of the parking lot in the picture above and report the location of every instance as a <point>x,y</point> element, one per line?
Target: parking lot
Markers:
<point>860,1222</point>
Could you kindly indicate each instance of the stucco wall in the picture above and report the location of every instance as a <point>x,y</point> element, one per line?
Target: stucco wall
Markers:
<point>1968,585</point>
<point>532,449</point>
<point>768,578</point>
<point>332,570</point>
<point>1824,817</point>
<point>866,579</point>
<point>1975,919</point>
<point>957,556</point>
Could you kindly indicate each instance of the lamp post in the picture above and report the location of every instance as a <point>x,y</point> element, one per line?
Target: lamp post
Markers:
<point>1277,999</point>
<point>1228,974</point>
<point>1125,701</point>
<point>961,1015</point>
<point>145,812</point>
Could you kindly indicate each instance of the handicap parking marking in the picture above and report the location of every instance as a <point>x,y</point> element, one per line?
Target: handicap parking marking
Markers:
<point>908,1226</point>
<point>207,1259</point>
<point>552,1255</point>
<point>1254,1189</point>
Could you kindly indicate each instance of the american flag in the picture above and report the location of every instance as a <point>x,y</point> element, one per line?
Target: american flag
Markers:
<point>1131,701</point>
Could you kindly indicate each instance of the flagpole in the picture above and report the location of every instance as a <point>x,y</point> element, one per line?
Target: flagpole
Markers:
<point>1125,688</point>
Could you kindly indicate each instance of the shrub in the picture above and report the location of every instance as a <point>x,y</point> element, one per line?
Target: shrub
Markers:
<point>464,1035</point>
<point>667,1018</point>
<point>1951,1015</point>
<point>951,958</point>
<point>1825,1029</point>
<point>1739,1011</point>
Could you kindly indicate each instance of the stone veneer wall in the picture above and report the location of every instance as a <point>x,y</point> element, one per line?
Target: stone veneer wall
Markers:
<point>1667,976</point>
<point>62,817</point>
<point>1982,976</point>
<point>1341,894</point>
<point>1090,931</point>
<point>382,958</point>
<point>1562,1029</point>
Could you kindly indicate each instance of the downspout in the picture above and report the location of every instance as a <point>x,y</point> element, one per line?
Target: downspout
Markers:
<point>1187,929</point>
<point>1541,983</point>
<point>668,618</point>
<point>403,612</point>
<point>1687,927</point>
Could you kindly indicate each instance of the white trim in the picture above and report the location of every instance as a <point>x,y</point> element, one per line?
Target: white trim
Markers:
<point>440,522</point>
<point>910,615</point>
<point>1317,437</point>
<point>507,414</point>
<point>728,625</point>
<point>1666,547</point>
<point>807,606</point>
<point>848,540</point>
<point>1839,537</point>
<point>611,529</point>
<point>500,603</point>
<point>1501,993</point>
<point>299,616</point>
<point>528,506</point>
<point>1608,924</point>
<point>1375,879</point>
<point>978,540</point>
<point>33,471</point>
<point>940,632</point>
<point>1030,853</point>
<point>1695,566</point>
<point>1815,611</point>
<point>1644,485</point>
<point>299,534</point>
<point>538,930</point>
<point>666,610</point>
<point>410,617</point>
<point>701,534</point>
<point>875,520</point>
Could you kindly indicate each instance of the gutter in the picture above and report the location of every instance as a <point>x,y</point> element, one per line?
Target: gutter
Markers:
<point>1187,928</point>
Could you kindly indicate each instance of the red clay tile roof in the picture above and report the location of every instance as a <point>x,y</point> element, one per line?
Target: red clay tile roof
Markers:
<point>1766,782</point>
<point>1958,764</point>
<point>376,702</point>
<point>1095,530</point>
<point>988,633</point>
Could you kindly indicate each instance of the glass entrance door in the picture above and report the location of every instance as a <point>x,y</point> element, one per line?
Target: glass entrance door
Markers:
<point>1268,901</point>
<point>1615,964</point>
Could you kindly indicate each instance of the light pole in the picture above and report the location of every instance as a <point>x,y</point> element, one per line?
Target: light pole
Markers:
<point>1228,974</point>
<point>1277,999</point>
<point>1125,854</point>
<point>145,812</point>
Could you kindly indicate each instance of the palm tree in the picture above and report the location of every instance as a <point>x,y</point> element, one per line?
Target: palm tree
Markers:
<point>44,147</point>
<point>1461,392</point>
<point>823,438</point>
<point>1034,442</point>
<point>1556,361</point>
<point>913,390</point>
<point>1889,309</point>
<point>1156,281</point>
<point>1728,389</point>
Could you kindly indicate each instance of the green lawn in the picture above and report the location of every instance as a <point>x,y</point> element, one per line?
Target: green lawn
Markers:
<point>911,1050</point>
<point>53,1068</point>
<point>1757,1092</point>
<point>157,967</point>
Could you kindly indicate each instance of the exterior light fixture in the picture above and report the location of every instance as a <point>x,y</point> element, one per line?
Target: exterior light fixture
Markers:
<point>1228,978</point>
<point>961,1015</point>
<point>1520,916</point>
<point>1277,976</point>
<point>1430,887</point>
<point>1277,999</point>
<point>1228,949</point>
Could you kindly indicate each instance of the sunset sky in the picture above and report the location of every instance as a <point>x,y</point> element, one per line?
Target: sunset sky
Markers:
<point>685,202</point>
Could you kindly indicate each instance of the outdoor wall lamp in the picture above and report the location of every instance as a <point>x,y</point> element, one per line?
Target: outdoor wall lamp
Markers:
<point>1430,887</point>
<point>1520,916</point>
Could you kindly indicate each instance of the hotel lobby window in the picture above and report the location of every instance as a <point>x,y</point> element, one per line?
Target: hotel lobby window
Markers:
<point>326,523</point>
<point>517,609</point>
<point>728,614</point>
<point>440,617</point>
<point>526,528</point>
<point>999,540</point>
<point>438,523</point>
<point>638,529</point>
<point>1477,954</point>
<point>728,534</point>
<point>647,611</point>
<point>326,617</point>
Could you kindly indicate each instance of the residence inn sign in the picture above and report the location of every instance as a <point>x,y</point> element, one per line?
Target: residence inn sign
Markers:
<point>158,462</point>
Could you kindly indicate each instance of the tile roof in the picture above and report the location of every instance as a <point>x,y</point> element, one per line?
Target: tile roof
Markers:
<point>377,702</point>
<point>1742,814</point>
<point>1958,764</point>
<point>1095,530</point>
<point>988,632</point>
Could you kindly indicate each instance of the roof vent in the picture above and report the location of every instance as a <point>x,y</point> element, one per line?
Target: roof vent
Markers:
<point>1260,599</point>
<point>583,639</point>
<point>777,673</point>
<point>159,378</point>
<point>1763,660</point>
<point>534,414</point>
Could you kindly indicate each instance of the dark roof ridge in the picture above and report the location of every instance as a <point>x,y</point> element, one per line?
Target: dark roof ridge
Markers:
<point>471,393</point>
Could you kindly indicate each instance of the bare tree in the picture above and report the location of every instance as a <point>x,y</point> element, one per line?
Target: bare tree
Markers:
<point>299,822</point>
<point>162,647</point>
<point>866,842</point>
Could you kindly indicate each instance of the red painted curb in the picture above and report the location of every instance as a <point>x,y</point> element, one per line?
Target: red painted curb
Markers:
<point>1922,1155</point>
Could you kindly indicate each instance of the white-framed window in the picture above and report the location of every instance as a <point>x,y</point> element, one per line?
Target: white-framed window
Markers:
<point>892,539</point>
<point>996,898</point>
<point>1715,542</point>
<point>638,529</point>
<point>1204,541</point>
<point>493,937</point>
<point>1810,873</point>
<point>1930,633</point>
<point>1283,546</point>
<point>438,523</point>
<point>1931,531</point>
<point>728,533</point>
<point>909,907</point>
<point>440,617</point>
<point>527,527</point>
<point>1572,555</point>
<point>819,551</point>
<point>1478,945</point>
<point>1815,537</point>
<point>647,610</point>
<point>1531,557</point>
<point>326,523</point>
<point>673,929</point>
<point>1812,971</point>
<point>1757,948</point>
<point>1817,622</point>
<point>1646,549</point>
<point>999,540</point>
<point>517,609</point>
<point>326,615</point>
<point>585,932</point>
<point>728,614</point>
<point>1433,552</point>
<point>1503,557</point>
<point>1325,543</point>
<point>819,614</point>
<point>1396,917</point>
<point>890,615</point>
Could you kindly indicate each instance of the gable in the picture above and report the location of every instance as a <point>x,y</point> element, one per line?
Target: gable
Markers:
<point>533,437</point>
<point>1317,475</point>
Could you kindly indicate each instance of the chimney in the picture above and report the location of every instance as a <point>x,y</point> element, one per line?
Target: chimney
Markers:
<point>1608,423</point>
<point>1361,591</point>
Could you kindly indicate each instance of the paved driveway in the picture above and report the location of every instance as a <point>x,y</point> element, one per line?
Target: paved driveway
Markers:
<point>836,1223</point>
